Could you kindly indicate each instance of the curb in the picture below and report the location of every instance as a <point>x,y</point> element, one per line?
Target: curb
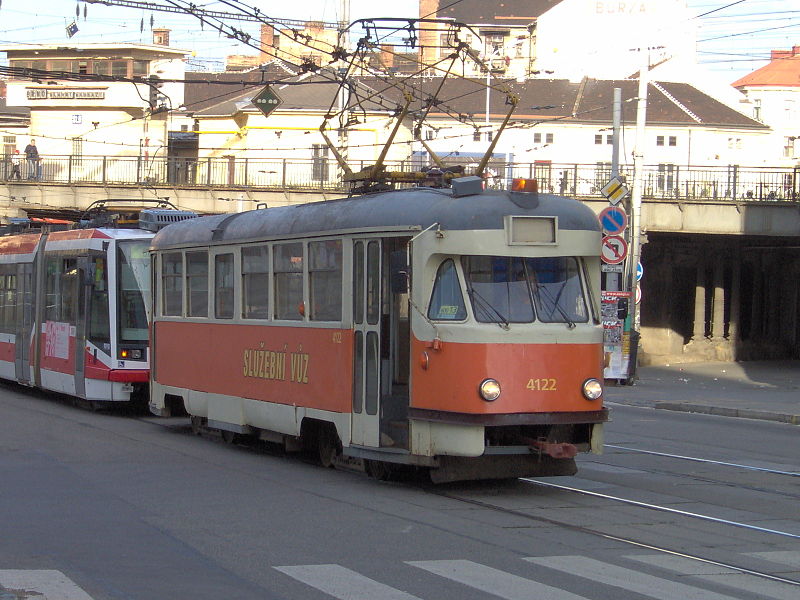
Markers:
<point>743,413</point>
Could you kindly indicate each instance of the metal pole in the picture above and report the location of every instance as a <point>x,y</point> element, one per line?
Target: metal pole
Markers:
<point>616,123</point>
<point>636,202</point>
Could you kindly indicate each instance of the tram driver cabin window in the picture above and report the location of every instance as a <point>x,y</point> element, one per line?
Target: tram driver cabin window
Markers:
<point>447,301</point>
<point>172,280</point>
<point>325,280</point>
<point>287,268</point>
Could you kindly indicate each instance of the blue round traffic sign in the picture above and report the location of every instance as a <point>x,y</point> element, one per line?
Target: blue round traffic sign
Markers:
<point>613,220</point>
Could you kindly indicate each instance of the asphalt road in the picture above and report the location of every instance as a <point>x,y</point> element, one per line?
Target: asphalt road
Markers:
<point>107,506</point>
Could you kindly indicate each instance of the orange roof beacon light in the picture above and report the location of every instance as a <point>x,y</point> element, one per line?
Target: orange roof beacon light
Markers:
<point>519,184</point>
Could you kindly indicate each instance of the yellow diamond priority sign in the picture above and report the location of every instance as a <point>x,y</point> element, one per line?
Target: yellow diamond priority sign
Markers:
<point>266,100</point>
<point>614,190</point>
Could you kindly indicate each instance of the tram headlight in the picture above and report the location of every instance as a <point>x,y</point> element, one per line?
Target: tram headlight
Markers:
<point>131,353</point>
<point>592,389</point>
<point>489,390</point>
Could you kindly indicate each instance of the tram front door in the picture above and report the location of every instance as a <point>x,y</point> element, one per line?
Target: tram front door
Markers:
<point>367,343</point>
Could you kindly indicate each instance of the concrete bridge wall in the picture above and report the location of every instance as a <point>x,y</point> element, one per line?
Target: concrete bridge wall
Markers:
<point>721,277</point>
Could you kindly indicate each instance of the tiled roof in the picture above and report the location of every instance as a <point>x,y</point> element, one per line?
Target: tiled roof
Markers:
<point>504,12</point>
<point>783,70</point>
<point>542,100</point>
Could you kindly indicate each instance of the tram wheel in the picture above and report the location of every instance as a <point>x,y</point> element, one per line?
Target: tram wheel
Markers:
<point>377,469</point>
<point>228,436</point>
<point>327,447</point>
<point>197,425</point>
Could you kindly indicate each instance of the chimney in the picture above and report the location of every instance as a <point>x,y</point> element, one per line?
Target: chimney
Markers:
<point>780,54</point>
<point>795,50</point>
<point>270,38</point>
<point>387,58</point>
<point>161,37</point>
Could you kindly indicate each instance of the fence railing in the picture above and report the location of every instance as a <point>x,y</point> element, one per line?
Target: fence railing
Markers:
<point>669,182</point>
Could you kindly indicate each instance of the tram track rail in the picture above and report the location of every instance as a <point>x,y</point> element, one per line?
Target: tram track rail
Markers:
<point>705,460</point>
<point>623,539</point>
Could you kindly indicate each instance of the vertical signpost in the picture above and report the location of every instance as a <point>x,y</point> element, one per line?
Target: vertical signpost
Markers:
<point>615,300</point>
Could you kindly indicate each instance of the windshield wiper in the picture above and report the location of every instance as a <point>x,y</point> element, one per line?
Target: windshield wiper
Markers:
<point>555,301</point>
<point>487,308</point>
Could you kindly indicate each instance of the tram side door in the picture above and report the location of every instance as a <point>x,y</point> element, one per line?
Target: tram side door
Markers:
<point>24,333</point>
<point>367,342</point>
<point>81,325</point>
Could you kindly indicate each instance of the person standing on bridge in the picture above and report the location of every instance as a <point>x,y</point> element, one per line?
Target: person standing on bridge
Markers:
<point>32,156</point>
<point>15,161</point>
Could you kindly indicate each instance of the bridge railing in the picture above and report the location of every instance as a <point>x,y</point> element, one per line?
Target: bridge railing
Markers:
<point>668,182</point>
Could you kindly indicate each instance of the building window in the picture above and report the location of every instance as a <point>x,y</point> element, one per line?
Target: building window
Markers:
<point>666,177</point>
<point>788,147</point>
<point>101,67</point>
<point>141,68</point>
<point>537,138</point>
<point>476,136</point>
<point>489,136</point>
<point>598,139</point>
<point>319,167</point>
<point>119,68</point>
<point>609,139</point>
<point>757,109</point>
<point>659,140</point>
<point>673,140</point>
<point>9,144</point>
<point>548,138</point>
<point>77,150</point>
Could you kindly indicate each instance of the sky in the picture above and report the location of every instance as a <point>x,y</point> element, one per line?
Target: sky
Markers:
<point>734,37</point>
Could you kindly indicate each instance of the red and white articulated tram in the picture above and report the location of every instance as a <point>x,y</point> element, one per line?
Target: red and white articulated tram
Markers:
<point>73,312</point>
<point>456,330</point>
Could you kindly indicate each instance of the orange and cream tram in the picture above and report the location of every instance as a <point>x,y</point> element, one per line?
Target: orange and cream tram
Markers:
<point>73,307</point>
<point>451,329</point>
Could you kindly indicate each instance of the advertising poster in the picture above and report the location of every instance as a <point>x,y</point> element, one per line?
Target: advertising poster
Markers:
<point>616,334</point>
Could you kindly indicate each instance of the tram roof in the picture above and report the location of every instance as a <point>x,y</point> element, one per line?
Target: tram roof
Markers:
<point>412,208</point>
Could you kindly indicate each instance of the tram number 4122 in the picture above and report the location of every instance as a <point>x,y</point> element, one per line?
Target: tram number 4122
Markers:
<point>542,385</point>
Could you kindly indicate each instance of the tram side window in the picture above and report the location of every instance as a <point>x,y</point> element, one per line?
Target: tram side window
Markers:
<point>255,282</point>
<point>223,286</point>
<point>172,279</point>
<point>197,283</point>
<point>447,301</point>
<point>325,280</point>
<point>8,290</point>
<point>288,272</point>
<point>62,290</point>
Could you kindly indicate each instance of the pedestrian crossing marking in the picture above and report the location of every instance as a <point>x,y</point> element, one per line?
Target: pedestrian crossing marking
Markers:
<point>343,583</point>
<point>41,585</point>
<point>493,581</point>
<point>790,558</point>
<point>723,576</point>
<point>628,579</point>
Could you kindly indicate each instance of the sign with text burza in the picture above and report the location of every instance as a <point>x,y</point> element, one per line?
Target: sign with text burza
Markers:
<point>64,94</point>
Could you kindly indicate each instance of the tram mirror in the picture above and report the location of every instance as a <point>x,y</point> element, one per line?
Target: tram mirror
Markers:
<point>399,272</point>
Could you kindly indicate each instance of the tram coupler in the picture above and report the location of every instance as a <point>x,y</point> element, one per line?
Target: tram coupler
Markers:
<point>556,450</point>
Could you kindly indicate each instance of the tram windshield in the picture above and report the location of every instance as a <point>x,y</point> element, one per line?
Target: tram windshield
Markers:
<point>510,289</point>
<point>134,290</point>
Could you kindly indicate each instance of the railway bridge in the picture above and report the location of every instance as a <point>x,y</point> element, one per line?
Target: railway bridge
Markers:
<point>721,252</point>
